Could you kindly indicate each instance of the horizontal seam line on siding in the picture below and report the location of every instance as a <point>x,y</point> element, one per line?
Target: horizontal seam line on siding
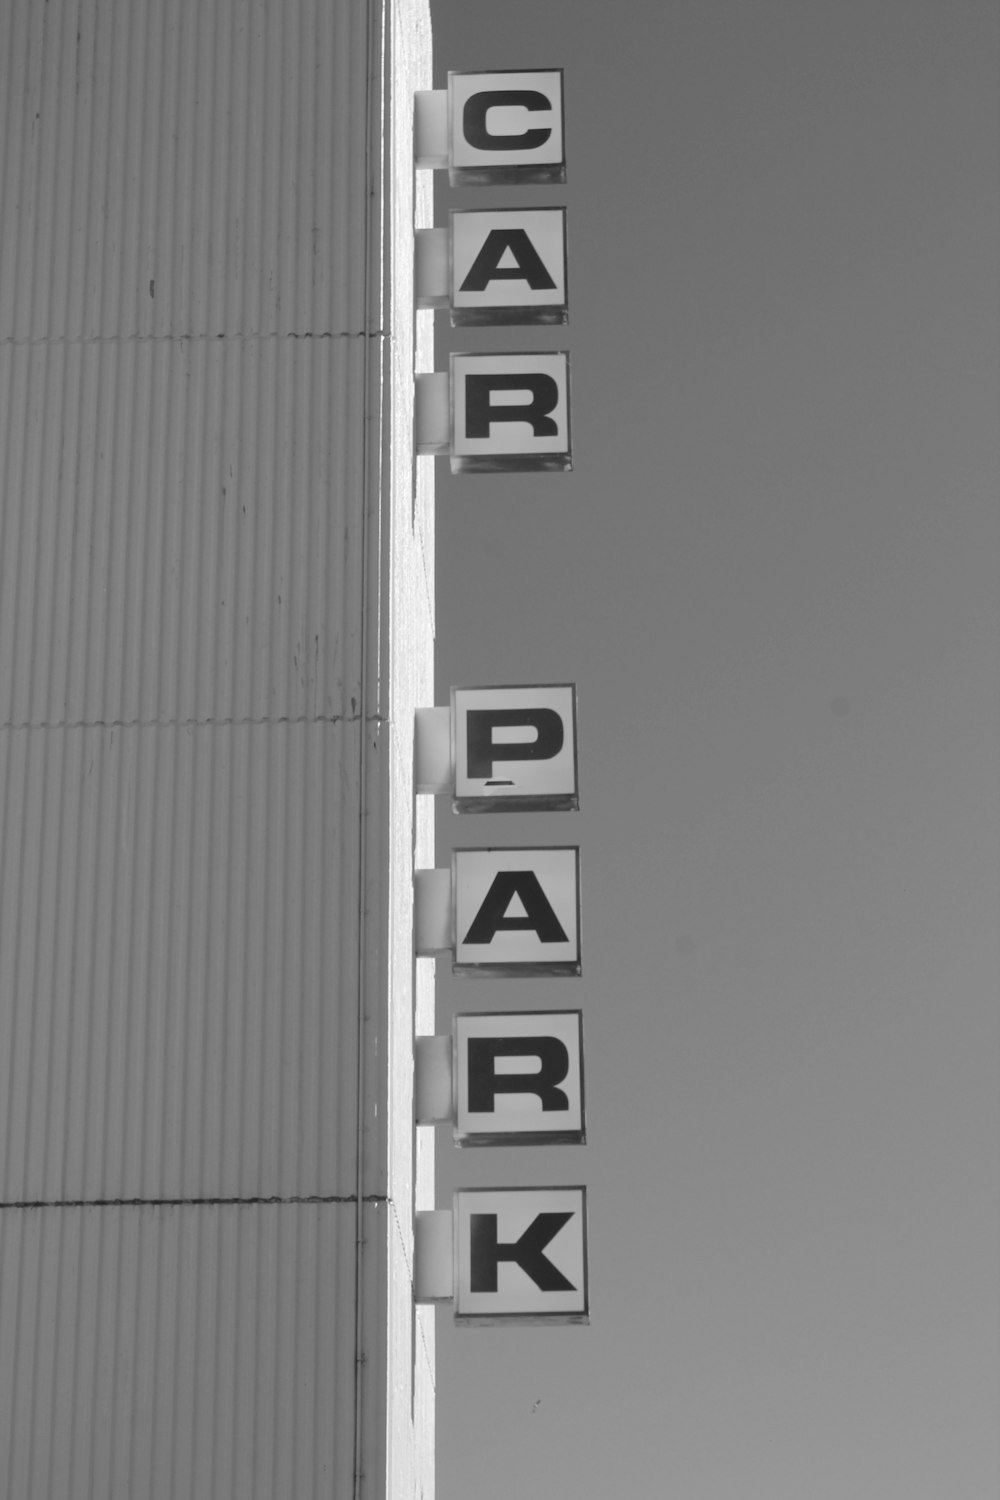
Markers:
<point>180,338</point>
<point>193,723</point>
<point>191,1202</point>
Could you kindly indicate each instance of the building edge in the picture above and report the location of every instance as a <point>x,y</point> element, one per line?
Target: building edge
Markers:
<point>395,1341</point>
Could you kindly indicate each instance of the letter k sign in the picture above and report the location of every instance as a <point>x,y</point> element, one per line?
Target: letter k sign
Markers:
<point>521,1255</point>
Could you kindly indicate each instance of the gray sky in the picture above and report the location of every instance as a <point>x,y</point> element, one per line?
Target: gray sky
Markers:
<point>773,576</point>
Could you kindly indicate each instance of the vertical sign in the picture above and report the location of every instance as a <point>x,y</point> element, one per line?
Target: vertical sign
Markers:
<point>518,1255</point>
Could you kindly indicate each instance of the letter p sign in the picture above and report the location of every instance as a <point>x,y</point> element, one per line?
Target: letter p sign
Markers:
<point>514,749</point>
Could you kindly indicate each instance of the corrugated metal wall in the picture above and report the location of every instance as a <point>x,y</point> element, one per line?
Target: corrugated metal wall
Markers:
<point>162,1352</point>
<point>194,707</point>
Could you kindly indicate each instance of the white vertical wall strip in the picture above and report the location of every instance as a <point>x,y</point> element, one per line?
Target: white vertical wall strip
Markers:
<point>410,1417</point>
<point>203,525</point>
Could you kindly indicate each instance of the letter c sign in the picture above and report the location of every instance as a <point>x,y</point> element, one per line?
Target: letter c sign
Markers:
<point>506,127</point>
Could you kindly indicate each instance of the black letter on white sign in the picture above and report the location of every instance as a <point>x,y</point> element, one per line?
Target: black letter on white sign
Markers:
<point>476,109</point>
<point>525,1252</point>
<point>486,267</point>
<point>481,750</point>
<point>485,1083</point>
<point>479,412</point>
<point>539,917</point>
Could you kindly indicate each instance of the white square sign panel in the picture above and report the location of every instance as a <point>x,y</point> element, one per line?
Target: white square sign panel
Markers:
<point>508,265</point>
<point>517,911</point>
<point>519,1079</point>
<point>521,1255</point>
<point>506,127</point>
<point>509,412</point>
<point>514,748</point>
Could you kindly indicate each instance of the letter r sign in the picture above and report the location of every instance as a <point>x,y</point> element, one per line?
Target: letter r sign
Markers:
<point>509,412</point>
<point>518,1078</point>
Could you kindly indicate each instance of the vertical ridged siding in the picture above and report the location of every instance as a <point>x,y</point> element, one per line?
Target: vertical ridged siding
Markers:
<point>169,1352</point>
<point>178,961</point>
<point>196,515</point>
<point>176,543</point>
<point>183,167</point>
<point>182,576</point>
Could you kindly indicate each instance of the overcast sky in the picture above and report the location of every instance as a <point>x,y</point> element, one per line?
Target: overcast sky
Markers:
<point>773,576</point>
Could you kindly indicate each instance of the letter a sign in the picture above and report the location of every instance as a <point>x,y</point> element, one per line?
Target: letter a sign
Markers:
<point>517,911</point>
<point>521,1255</point>
<point>508,265</point>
